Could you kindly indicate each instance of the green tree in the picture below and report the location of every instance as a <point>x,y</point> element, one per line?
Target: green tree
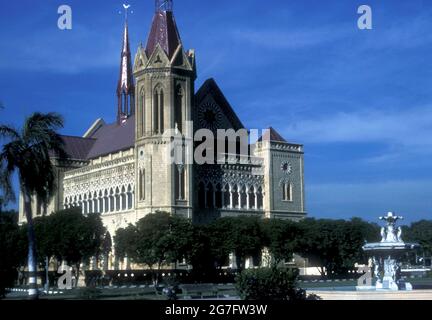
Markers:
<point>12,255</point>
<point>241,235</point>
<point>69,236</point>
<point>220,240</point>
<point>420,232</point>
<point>334,245</point>
<point>156,239</point>
<point>28,153</point>
<point>76,238</point>
<point>125,241</point>
<point>200,254</point>
<point>159,239</point>
<point>281,237</point>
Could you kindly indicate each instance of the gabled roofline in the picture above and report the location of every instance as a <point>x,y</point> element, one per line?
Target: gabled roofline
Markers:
<point>210,86</point>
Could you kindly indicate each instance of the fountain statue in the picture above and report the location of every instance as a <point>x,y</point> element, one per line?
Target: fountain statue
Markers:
<point>386,256</point>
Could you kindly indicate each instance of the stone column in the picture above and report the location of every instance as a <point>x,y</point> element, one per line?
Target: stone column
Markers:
<point>256,200</point>
<point>247,199</point>
<point>232,261</point>
<point>231,198</point>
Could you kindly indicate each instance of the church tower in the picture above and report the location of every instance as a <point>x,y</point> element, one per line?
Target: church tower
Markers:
<point>165,75</point>
<point>125,86</point>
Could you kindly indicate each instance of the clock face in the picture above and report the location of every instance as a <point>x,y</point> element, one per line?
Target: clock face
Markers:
<point>287,168</point>
<point>209,116</point>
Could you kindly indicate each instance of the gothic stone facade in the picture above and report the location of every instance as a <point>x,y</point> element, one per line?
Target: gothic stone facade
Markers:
<point>121,169</point>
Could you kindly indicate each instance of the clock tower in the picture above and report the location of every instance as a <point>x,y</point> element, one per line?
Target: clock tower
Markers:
<point>165,84</point>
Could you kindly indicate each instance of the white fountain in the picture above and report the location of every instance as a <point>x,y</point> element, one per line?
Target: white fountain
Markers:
<point>386,256</point>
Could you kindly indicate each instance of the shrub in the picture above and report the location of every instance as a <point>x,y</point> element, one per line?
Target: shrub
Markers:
<point>269,284</point>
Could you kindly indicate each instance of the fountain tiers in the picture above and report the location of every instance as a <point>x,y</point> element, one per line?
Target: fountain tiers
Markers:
<point>386,254</point>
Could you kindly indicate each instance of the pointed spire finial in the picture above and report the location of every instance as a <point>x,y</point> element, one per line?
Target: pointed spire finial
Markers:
<point>125,87</point>
<point>126,8</point>
<point>164,5</point>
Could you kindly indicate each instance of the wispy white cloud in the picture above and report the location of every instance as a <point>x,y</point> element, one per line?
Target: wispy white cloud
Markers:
<point>411,127</point>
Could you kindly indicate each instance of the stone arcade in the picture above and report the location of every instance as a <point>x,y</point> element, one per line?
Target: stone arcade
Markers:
<point>120,169</point>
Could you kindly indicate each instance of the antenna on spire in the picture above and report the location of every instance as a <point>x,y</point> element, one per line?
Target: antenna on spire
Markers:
<point>164,5</point>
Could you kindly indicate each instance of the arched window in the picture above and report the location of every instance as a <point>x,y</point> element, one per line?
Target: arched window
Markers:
<point>286,191</point>
<point>227,196</point>
<point>123,199</point>
<point>111,201</point>
<point>90,203</point>
<point>219,195</point>
<point>106,202</point>
<point>155,112</point>
<point>243,197</point>
<point>143,112</point>
<point>141,184</point>
<point>252,195</point>
<point>178,108</point>
<point>161,111</point>
<point>158,110</point>
<point>235,201</point>
<point>260,198</point>
<point>129,198</point>
<point>96,208</point>
<point>117,199</point>
<point>85,206</point>
<point>80,204</point>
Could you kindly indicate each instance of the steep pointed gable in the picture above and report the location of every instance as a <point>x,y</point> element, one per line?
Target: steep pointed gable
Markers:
<point>210,88</point>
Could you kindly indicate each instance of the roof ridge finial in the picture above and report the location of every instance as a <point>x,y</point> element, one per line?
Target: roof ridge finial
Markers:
<point>164,5</point>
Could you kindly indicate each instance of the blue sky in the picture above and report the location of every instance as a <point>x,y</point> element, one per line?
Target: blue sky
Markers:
<point>360,101</point>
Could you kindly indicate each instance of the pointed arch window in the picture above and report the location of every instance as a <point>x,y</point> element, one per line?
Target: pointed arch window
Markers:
<point>158,110</point>
<point>130,197</point>
<point>117,200</point>
<point>141,184</point>
<point>178,108</point>
<point>143,112</point>
<point>161,111</point>
<point>287,191</point>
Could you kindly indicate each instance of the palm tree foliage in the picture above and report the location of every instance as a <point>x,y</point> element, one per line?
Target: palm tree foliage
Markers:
<point>29,153</point>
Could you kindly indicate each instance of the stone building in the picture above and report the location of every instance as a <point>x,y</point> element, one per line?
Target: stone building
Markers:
<point>121,170</point>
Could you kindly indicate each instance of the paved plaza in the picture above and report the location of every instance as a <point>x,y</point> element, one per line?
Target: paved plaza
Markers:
<point>373,295</point>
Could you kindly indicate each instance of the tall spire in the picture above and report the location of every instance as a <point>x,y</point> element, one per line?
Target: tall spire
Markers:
<point>125,87</point>
<point>164,5</point>
<point>164,30</point>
